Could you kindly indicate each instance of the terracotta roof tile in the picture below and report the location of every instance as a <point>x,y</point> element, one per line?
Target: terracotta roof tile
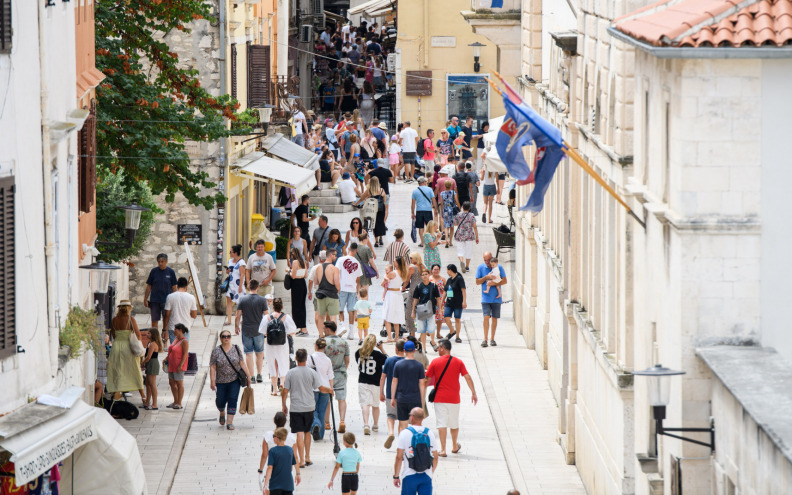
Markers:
<point>694,23</point>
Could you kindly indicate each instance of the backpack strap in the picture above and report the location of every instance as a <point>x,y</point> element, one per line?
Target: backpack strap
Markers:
<point>281,316</point>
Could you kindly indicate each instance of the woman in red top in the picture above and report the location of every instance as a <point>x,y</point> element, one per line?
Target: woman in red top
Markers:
<point>177,364</point>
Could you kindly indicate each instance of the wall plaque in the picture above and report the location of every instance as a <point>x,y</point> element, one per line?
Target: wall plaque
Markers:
<point>444,41</point>
<point>419,83</point>
<point>190,233</point>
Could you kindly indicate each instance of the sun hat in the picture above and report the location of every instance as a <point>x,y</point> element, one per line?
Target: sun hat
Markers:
<point>383,126</point>
<point>124,302</point>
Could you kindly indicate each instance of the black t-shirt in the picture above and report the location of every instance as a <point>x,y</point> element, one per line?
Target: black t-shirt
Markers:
<point>374,48</point>
<point>384,175</point>
<point>463,186</point>
<point>426,292</point>
<point>453,289</point>
<point>298,214</point>
<point>371,367</point>
<point>468,136</point>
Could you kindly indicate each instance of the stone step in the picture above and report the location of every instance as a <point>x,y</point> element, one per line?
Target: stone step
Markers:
<point>325,192</point>
<point>322,201</point>
<point>337,209</point>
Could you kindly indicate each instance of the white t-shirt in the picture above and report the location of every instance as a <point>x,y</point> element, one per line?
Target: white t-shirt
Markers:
<point>319,362</point>
<point>345,33</point>
<point>299,118</point>
<point>405,441</point>
<point>288,324</point>
<point>349,271</point>
<point>260,266</point>
<point>408,137</point>
<point>310,277</point>
<point>395,149</point>
<point>332,140</point>
<point>269,437</point>
<point>347,189</point>
<point>180,304</point>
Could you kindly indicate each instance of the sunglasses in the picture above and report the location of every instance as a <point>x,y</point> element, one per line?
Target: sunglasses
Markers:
<point>225,336</point>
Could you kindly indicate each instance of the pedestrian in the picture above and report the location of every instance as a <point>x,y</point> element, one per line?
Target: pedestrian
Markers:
<point>473,178</point>
<point>123,367</point>
<point>416,457</point>
<point>444,373</point>
<point>280,459</point>
<point>363,311</point>
<point>348,190</point>
<point>431,239</point>
<point>408,288</point>
<point>423,203</point>
<point>262,268</point>
<point>299,291</point>
<point>276,327</point>
<point>429,148</point>
<point>492,300</point>
<point>319,362</point>
<point>467,135</point>
<point>453,128</point>
<point>444,147</point>
<point>180,307</point>
<point>333,242</point>
<point>466,235</point>
<point>338,351</point>
<point>250,311</point>
<point>152,366</point>
<point>237,280</point>
<point>375,191</point>
<point>297,242</point>
<point>349,272</point>
<point>326,278</point>
<point>269,439</point>
<point>440,282</point>
<point>426,299</point>
<point>408,385</point>
<point>225,362</point>
<point>455,301</point>
<point>409,144</point>
<point>353,234</point>
<point>365,255</point>
<point>370,361</point>
<point>319,236</point>
<point>312,291</point>
<point>161,282</point>
<point>301,382</point>
<point>489,190</point>
<point>394,153</point>
<point>495,272</point>
<point>393,307</point>
<point>178,352</point>
<point>302,216</point>
<point>299,126</point>
<point>397,248</point>
<point>499,193</point>
<point>449,205</point>
<point>348,461</point>
<point>464,186</point>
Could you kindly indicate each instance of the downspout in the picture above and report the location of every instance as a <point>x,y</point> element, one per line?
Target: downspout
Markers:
<point>223,141</point>
<point>46,165</point>
<point>426,40</point>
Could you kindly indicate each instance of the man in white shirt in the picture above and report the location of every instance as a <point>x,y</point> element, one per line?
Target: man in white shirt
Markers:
<point>262,268</point>
<point>349,272</point>
<point>300,126</point>
<point>348,190</point>
<point>325,36</point>
<point>345,33</point>
<point>180,307</point>
<point>414,482</point>
<point>409,146</point>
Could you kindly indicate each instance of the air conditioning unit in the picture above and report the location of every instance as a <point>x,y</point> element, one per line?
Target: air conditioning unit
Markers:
<point>306,33</point>
<point>319,21</point>
<point>318,7</point>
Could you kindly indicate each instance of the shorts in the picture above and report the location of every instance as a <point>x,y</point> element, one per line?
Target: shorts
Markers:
<point>425,326</point>
<point>390,411</point>
<point>176,376</point>
<point>403,409</point>
<point>465,249</point>
<point>393,159</point>
<point>349,482</point>
<point>457,312</point>
<point>300,422</point>
<point>409,157</point>
<point>491,309</point>
<point>501,176</point>
<point>326,176</point>
<point>157,310</point>
<point>299,139</point>
<point>363,322</point>
<point>489,190</point>
<point>422,218</point>
<point>253,344</point>
<point>339,384</point>
<point>327,306</point>
<point>446,415</point>
<point>368,395</point>
<point>347,300</point>
<point>263,290</point>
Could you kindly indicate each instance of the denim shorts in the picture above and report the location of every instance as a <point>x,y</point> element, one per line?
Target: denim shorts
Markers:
<point>491,309</point>
<point>253,344</point>
<point>489,190</point>
<point>425,326</point>
<point>457,312</point>
<point>347,300</point>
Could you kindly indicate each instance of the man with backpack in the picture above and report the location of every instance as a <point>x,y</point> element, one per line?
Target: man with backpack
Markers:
<point>416,457</point>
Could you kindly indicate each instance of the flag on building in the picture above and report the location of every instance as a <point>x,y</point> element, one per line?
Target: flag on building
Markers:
<point>497,4</point>
<point>522,127</point>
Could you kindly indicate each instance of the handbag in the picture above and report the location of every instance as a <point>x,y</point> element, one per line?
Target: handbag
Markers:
<point>432,394</point>
<point>287,281</point>
<point>368,270</point>
<point>414,232</point>
<point>424,311</point>
<point>135,345</point>
<point>242,377</point>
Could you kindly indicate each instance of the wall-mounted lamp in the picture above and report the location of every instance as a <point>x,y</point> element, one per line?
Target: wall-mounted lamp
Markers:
<point>132,215</point>
<point>660,395</point>
<point>99,271</point>
<point>477,55</point>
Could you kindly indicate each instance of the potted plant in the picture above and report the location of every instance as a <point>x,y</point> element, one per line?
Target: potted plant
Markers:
<point>80,332</point>
<point>281,264</point>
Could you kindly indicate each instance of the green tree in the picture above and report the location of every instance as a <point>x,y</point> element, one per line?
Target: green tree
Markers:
<point>151,103</point>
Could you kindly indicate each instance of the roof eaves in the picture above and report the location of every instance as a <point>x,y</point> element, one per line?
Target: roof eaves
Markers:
<point>713,20</point>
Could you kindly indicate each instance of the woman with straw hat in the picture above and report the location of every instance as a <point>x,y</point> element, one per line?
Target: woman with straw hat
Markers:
<point>123,367</point>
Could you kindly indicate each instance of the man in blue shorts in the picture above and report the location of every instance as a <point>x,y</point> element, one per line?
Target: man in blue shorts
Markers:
<point>491,300</point>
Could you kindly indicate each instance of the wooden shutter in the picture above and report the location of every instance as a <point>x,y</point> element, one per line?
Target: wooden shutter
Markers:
<point>5,26</point>
<point>233,71</point>
<point>87,170</point>
<point>258,75</point>
<point>7,275</point>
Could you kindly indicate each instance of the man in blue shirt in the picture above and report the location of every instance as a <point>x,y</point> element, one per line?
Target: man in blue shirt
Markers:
<point>161,282</point>
<point>385,389</point>
<point>422,203</point>
<point>377,131</point>
<point>454,129</point>
<point>490,301</point>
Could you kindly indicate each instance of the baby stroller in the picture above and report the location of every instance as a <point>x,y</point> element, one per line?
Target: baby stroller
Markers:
<point>369,212</point>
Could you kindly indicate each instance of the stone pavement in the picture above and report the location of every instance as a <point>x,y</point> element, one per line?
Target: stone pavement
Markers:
<point>508,439</point>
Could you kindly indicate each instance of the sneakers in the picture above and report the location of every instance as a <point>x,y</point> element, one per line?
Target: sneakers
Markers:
<point>366,430</point>
<point>334,187</point>
<point>315,432</point>
<point>258,378</point>
<point>492,343</point>
<point>375,428</point>
<point>484,344</point>
<point>341,427</point>
<point>389,441</point>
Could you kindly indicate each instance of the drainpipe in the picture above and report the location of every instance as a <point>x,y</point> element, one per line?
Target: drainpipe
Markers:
<point>46,170</point>
<point>223,91</point>
<point>427,41</point>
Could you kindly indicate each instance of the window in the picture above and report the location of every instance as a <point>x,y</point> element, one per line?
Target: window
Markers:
<point>87,164</point>
<point>5,26</point>
<point>258,75</point>
<point>233,71</point>
<point>7,275</point>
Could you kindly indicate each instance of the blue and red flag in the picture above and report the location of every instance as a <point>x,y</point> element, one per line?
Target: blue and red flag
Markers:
<point>497,4</point>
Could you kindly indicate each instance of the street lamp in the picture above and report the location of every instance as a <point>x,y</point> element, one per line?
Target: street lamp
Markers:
<point>132,214</point>
<point>659,388</point>
<point>99,273</point>
<point>477,55</point>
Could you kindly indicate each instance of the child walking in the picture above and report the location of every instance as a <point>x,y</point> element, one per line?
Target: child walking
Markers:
<point>152,366</point>
<point>363,312</point>
<point>280,461</point>
<point>348,461</point>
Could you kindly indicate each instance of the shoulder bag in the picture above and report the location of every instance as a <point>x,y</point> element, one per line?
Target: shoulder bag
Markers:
<point>135,345</point>
<point>432,394</point>
<point>467,217</point>
<point>242,377</point>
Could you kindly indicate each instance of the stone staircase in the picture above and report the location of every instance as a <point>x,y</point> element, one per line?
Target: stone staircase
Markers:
<point>329,201</point>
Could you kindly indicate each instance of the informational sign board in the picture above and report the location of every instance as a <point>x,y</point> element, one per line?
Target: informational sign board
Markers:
<point>190,233</point>
<point>419,83</point>
<point>194,280</point>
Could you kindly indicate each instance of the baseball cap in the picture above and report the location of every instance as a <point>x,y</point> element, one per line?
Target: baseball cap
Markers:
<point>409,346</point>
<point>345,176</point>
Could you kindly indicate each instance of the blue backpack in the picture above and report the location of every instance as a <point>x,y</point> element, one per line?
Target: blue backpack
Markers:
<point>421,447</point>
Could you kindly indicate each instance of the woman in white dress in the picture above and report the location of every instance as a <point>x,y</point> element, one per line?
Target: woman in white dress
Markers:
<point>393,311</point>
<point>277,355</point>
<point>237,270</point>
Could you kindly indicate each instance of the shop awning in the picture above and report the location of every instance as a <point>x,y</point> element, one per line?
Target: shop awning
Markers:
<point>492,162</point>
<point>302,180</point>
<point>381,11</point>
<point>283,148</point>
<point>370,6</point>
<point>335,17</point>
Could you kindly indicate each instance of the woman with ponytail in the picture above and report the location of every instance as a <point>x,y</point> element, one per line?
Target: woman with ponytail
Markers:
<point>370,362</point>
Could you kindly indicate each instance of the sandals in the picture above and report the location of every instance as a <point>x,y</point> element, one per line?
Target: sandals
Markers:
<point>222,419</point>
<point>434,347</point>
<point>230,427</point>
<point>484,344</point>
<point>308,463</point>
<point>176,406</point>
<point>459,447</point>
<point>492,343</point>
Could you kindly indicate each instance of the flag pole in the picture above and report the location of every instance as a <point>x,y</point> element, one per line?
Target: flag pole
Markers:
<point>570,152</point>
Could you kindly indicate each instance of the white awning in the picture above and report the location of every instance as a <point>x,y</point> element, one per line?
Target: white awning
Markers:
<point>283,148</point>
<point>302,180</point>
<point>368,7</point>
<point>382,11</point>
<point>492,161</point>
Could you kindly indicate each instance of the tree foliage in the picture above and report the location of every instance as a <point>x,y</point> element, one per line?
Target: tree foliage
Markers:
<point>151,102</point>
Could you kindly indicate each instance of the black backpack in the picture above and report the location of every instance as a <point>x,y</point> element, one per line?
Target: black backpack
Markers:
<point>420,150</point>
<point>276,331</point>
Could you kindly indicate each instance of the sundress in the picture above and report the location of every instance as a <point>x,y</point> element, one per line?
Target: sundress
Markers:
<point>449,205</point>
<point>440,313</point>
<point>233,287</point>
<point>431,254</point>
